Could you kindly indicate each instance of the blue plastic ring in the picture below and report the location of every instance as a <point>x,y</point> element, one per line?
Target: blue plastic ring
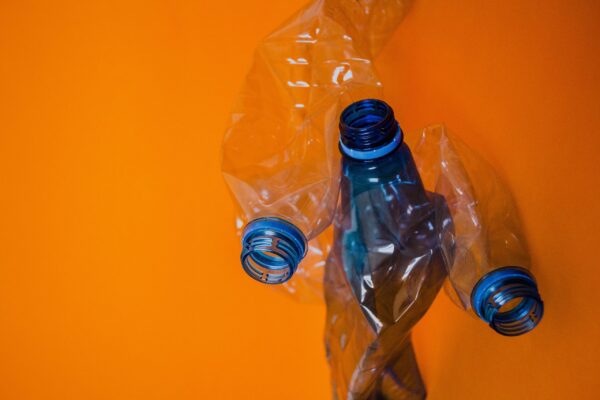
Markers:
<point>502,286</point>
<point>375,153</point>
<point>272,248</point>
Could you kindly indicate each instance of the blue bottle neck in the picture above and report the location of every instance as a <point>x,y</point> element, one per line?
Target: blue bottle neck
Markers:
<point>368,129</point>
<point>371,143</point>
<point>397,167</point>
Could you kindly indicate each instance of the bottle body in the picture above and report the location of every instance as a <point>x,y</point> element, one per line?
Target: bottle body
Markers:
<point>392,246</point>
<point>490,274</point>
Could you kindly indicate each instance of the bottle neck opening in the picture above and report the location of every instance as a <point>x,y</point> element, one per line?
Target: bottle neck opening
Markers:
<point>369,130</point>
<point>272,248</point>
<point>508,300</point>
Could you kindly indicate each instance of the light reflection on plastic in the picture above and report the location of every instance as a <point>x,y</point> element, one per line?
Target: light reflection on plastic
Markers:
<point>298,84</point>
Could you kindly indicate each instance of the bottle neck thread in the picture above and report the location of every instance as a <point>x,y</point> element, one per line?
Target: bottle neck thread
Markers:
<point>508,300</point>
<point>369,130</point>
<point>272,248</point>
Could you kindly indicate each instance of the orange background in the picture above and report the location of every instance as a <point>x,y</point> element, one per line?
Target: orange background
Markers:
<point>119,271</point>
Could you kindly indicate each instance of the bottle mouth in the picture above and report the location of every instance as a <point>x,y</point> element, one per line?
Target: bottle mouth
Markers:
<point>272,248</point>
<point>508,300</point>
<point>368,130</point>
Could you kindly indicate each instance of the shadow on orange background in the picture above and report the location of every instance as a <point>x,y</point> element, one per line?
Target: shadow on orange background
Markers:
<point>119,269</point>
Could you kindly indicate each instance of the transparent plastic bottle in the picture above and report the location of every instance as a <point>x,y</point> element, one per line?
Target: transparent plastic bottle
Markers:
<point>490,273</point>
<point>393,245</point>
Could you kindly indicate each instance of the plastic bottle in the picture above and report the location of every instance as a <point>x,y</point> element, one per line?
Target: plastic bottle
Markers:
<point>392,249</point>
<point>490,273</point>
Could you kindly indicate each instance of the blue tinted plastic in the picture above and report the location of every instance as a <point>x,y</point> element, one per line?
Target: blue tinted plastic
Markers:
<point>392,247</point>
<point>401,225</point>
<point>272,249</point>
<point>493,294</point>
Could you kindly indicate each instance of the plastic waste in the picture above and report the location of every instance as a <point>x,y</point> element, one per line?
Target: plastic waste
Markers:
<point>393,244</point>
<point>280,156</point>
<point>404,225</point>
<point>490,272</point>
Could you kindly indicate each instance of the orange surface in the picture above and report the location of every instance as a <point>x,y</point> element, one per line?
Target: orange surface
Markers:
<point>119,274</point>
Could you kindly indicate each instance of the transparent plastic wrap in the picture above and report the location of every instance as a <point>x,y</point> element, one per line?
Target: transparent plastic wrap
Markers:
<point>280,156</point>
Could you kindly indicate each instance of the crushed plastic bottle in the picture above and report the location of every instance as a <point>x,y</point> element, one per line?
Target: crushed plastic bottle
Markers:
<point>490,273</point>
<point>393,244</point>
